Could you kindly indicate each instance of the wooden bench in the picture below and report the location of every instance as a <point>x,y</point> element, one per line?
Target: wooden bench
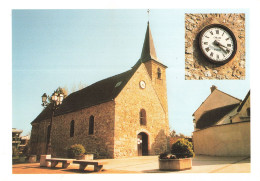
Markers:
<point>55,161</point>
<point>98,165</point>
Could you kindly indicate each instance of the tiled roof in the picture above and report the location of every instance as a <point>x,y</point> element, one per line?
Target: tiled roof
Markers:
<point>211,117</point>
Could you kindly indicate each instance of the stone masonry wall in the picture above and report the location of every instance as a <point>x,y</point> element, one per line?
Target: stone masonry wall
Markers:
<point>127,122</point>
<point>101,143</point>
<point>196,65</point>
<point>38,139</point>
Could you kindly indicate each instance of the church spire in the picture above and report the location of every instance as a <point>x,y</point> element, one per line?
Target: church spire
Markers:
<point>148,52</point>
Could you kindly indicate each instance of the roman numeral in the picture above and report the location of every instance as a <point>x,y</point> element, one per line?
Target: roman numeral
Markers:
<point>227,39</point>
<point>223,33</point>
<point>205,43</point>
<point>211,54</point>
<point>229,45</point>
<point>217,31</point>
<point>206,36</point>
<point>217,56</point>
<point>211,33</point>
<point>207,49</point>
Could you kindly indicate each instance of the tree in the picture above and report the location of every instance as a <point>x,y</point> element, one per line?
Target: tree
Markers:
<point>173,133</point>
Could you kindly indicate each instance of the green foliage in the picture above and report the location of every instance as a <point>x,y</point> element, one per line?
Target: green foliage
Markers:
<point>167,155</point>
<point>182,149</point>
<point>15,151</point>
<point>76,150</point>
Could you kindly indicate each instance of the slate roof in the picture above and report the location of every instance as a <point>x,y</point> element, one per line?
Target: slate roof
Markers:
<point>45,114</point>
<point>211,117</point>
<point>97,93</point>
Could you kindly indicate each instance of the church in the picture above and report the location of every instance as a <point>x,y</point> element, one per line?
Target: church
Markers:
<point>121,116</point>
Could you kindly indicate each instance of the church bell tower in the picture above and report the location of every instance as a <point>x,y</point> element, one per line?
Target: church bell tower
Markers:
<point>155,69</point>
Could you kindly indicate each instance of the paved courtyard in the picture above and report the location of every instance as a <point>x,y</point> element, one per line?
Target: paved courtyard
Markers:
<point>145,164</point>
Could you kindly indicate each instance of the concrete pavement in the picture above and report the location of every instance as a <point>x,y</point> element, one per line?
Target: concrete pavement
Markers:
<point>147,164</point>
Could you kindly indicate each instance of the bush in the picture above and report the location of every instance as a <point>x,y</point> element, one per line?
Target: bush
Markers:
<point>167,156</point>
<point>182,149</point>
<point>76,150</point>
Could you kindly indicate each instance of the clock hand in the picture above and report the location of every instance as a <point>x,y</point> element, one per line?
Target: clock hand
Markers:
<point>220,44</point>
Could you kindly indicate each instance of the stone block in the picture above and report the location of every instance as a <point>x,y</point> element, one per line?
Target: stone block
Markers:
<point>43,162</point>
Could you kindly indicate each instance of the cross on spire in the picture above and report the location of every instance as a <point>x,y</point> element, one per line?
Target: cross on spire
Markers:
<point>148,11</point>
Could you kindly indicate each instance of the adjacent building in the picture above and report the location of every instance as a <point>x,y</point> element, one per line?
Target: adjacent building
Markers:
<point>222,125</point>
<point>121,116</point>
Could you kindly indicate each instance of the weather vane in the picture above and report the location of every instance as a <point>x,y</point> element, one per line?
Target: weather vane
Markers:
<point>148,11</point>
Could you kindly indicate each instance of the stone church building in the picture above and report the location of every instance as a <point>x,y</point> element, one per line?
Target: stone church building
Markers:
<point>121,116</point>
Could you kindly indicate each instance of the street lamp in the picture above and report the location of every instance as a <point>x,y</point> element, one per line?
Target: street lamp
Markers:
<point>56,100</point>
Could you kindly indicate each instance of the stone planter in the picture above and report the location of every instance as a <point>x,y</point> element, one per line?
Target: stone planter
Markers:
<point>85,157</point>
<point>175,164</point>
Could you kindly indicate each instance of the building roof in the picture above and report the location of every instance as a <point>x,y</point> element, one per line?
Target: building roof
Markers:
<point>148,51</point>
<point>97,93</point>
<point>215,89</point>
<point>104,90</point>
<point>244,101</point>
<point>211,117</point>
<point>45,114</point>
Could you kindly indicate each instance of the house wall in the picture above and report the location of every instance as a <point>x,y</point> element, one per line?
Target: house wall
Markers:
<point>38,138</point>
<point>223,140</point>
<point>215,100</point>
<point>101,143</point>
<point>127,123</point>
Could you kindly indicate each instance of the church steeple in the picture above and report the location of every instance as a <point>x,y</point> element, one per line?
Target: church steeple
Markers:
<point>148,52</point>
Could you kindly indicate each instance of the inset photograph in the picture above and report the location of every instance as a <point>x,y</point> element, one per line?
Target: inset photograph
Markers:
<point>215,46</point>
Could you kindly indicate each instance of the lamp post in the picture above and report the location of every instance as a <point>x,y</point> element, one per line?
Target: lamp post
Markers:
<point>53,104</point>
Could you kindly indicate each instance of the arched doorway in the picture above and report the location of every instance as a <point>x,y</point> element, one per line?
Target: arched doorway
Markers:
<point>142,144</point>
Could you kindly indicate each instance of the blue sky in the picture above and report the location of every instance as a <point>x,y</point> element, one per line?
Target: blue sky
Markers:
<point>52,48</point>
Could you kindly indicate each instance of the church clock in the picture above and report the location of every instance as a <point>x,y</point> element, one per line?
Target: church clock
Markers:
<point>142,84</point>
<point>217,43</point>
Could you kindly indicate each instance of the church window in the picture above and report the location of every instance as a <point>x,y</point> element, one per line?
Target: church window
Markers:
<point>159,73</point>
<point>142,117</point>
<point>72,128</point>
<point>248,111</point>
<point>91,125</point>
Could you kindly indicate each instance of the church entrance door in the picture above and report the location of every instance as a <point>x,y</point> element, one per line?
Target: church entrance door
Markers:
<point>142,144</point>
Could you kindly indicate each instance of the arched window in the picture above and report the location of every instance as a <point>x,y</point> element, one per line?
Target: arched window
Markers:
<point>91,125</point>
<point>142,117</point>
<point>72,128</point>
<point>159,73</point>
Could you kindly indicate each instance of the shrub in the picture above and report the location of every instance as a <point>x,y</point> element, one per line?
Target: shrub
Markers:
<point>167,156</point>
<point>182,149</point>
<point>76,150</point>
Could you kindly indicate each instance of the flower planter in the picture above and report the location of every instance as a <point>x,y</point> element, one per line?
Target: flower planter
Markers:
<point>175,164</point>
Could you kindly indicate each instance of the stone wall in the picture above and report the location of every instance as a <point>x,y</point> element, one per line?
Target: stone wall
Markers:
<point>38,139</point>
<point>224,140</point>
<point>101,143</point>
<point>127,121</point>
<point>196,65</point>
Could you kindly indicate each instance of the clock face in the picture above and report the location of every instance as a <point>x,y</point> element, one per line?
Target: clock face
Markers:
<point>142,84</point>
<point>218,43</point>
